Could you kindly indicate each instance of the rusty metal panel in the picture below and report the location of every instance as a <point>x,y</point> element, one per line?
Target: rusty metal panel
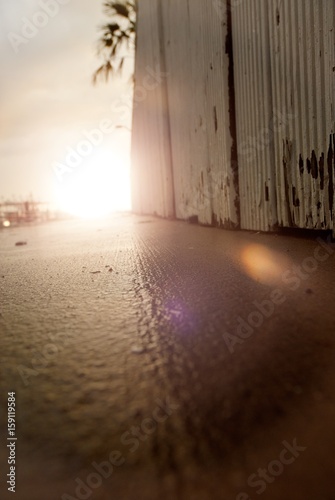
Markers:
<point>205,177</point>
<point>302,40</point>
<point>255,115</point>
<point>152,178</point>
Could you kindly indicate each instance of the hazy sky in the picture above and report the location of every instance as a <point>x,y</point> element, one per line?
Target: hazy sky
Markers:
<point>47,97</point>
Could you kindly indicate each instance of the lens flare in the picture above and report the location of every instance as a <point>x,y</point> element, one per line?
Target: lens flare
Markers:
<point>263,264</point>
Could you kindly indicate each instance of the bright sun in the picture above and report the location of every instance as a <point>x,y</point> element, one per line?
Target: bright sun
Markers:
<point>96,188</point>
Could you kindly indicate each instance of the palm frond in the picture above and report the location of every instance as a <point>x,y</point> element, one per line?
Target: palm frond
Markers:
<point>115,35</point>
<point>121,9</point>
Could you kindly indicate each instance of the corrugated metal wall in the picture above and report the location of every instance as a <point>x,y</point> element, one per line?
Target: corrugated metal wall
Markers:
<point>302,43</point>
<point>284,85</point>
<point>152,177</point>
<point>254,113</point>
<point>205,175</point>
<point>193,37</point>
<point>184,135</point>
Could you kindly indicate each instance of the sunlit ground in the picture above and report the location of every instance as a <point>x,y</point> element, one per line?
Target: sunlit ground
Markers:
<point>98,187</point>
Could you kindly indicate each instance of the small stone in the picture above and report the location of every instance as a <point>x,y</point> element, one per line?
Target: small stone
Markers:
<point>20,243</point>
<point>137,349</point>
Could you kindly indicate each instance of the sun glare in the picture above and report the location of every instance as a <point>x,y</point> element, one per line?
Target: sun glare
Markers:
<point>97,188</point>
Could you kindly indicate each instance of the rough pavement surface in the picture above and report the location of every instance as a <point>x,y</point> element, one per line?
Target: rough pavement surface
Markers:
<point>123,342</point>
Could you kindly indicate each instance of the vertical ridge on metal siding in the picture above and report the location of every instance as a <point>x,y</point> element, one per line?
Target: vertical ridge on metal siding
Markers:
<point>175,17</point>
<point>254,115</point>
<point>152,183</point>
<point>302,45</point>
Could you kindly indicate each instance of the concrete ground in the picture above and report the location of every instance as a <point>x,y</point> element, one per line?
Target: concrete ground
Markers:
<point>161,360</point>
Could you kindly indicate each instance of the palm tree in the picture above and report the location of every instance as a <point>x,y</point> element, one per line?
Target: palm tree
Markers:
<point>116,37</point>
